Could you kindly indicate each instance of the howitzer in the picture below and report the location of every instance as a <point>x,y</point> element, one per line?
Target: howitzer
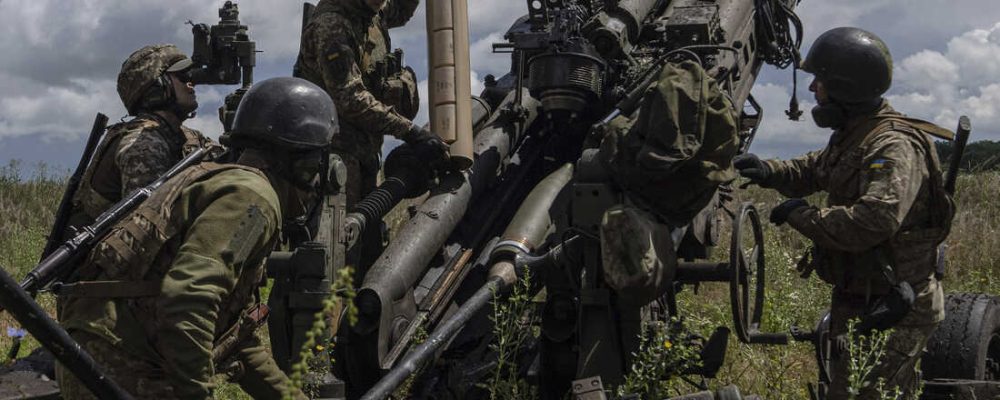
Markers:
<point>574,64</point>
<point>60,263</point>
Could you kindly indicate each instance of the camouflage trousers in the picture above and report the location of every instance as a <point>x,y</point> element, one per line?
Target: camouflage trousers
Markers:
<point>897,368</point>
<point>142,379</point>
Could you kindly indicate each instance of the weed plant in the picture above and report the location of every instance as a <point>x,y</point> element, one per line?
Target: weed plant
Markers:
<point>780,372</point>
<point>514,320</point>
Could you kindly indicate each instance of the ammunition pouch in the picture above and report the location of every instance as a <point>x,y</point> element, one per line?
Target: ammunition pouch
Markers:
<point>637,253</point>
<point>400,92</point>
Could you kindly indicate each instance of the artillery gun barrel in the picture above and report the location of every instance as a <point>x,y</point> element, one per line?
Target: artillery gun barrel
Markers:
<point>525,233</point>
<point>401,183</point>
<point>16,301</point>
<point>405,259</point>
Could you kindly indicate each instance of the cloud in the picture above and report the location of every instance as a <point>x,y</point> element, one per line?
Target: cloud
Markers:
<point>962,80</point>
<point>779,136</point>
<point>61,57</point>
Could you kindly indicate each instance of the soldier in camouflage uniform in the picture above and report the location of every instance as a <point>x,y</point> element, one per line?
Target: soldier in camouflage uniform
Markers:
<point>345,49</point>
<point>170,297</point>
<point>886,207</point>
<point>154,87</point>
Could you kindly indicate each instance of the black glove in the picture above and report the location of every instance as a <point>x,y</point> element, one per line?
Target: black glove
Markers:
<point>752,167</point>
<point>428,146</point>
<point>780,213</point>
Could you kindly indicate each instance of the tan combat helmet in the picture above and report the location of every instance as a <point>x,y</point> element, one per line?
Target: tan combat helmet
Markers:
<point>141,82</point>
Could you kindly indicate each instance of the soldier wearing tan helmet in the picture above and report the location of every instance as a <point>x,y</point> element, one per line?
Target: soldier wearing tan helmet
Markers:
<point>155,88</point>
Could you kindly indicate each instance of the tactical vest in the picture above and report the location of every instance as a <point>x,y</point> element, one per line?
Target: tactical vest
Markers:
<point>861,274</point>
<point>128,263</point>
<point>91,203</point>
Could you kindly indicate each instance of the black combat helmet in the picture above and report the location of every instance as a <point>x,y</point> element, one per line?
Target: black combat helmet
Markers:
<point>290,113</point>
<point>854,65</point>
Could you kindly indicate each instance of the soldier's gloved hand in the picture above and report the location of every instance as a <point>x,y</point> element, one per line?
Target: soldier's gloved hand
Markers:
<point>780,213</point>
<point>428,146</point>
<point>752,167</point>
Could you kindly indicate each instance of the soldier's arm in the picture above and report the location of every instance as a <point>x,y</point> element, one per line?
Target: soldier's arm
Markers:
<point>893,173</point>
<point>795,177</point>
<point>262,379</point>
<point>142,156</point>
<point>224,228</point>
<point>398,12</point>
<point>342,80</point>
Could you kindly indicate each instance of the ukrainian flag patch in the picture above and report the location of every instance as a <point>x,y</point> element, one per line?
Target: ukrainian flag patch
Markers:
<point>879,164</point>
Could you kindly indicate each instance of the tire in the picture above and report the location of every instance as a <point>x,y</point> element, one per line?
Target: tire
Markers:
<point>967,343</point>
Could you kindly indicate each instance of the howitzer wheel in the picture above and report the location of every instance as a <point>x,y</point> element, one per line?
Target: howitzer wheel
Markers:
<point>746,280</point>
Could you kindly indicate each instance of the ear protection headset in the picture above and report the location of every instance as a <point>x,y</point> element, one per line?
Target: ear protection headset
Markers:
<point>160,93</point>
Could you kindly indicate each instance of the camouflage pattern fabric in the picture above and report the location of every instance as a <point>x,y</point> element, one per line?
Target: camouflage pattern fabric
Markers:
<point>132,155</point>
<point>210,274</point>
<point>672,156</point>
<point>140,378</point>
<point>897,368</point>
<point>141,69</point>
<point>878,175</point>
<point>637,254</point>
<point>345,50</point>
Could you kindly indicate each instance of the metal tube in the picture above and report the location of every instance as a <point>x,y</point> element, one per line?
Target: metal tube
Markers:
<point>441,336</point>
<point>706,271</point>
<point>55,339</point>
<point>62,216</point>
<point>449,76</point>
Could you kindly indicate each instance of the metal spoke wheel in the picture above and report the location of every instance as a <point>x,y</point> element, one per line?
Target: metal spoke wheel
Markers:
<point>746,263</point>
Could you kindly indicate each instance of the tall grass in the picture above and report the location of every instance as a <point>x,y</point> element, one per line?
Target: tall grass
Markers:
<point>780,372</point>
<point>27,208</point>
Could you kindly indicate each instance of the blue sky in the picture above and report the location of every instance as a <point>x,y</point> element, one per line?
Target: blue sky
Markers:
<point>60,60</point>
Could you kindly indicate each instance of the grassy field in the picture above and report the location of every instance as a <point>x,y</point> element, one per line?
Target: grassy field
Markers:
<point>780,372</point>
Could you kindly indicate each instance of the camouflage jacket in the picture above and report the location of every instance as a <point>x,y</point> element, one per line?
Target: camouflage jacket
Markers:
<point>883,180</point>
<point>345,49</point>
<point>172,278</point>
<point>131,155</point>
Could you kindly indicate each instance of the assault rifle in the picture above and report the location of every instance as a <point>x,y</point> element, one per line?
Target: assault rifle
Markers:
<point>61,261</point>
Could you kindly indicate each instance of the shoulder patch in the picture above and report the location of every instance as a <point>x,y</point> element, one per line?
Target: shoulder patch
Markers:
<point>241,245</point>
<point>880,163</point>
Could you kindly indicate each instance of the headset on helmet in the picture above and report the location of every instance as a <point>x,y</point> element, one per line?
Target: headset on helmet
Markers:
<point>143,83</point>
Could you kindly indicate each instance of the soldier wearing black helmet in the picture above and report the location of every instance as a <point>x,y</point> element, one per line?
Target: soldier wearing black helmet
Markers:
<point>886,211</point>
<point>170,297</point>
<point>154,87</point>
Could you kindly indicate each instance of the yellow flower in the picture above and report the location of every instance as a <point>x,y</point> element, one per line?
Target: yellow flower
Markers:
<point>667,344</point>
<point>319,347</point>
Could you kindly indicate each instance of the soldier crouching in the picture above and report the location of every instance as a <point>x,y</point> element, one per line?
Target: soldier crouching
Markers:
<point>170,297</point>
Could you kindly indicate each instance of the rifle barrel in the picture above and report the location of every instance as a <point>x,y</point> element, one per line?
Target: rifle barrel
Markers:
<point>66,204</point>
<point>57,263</point>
